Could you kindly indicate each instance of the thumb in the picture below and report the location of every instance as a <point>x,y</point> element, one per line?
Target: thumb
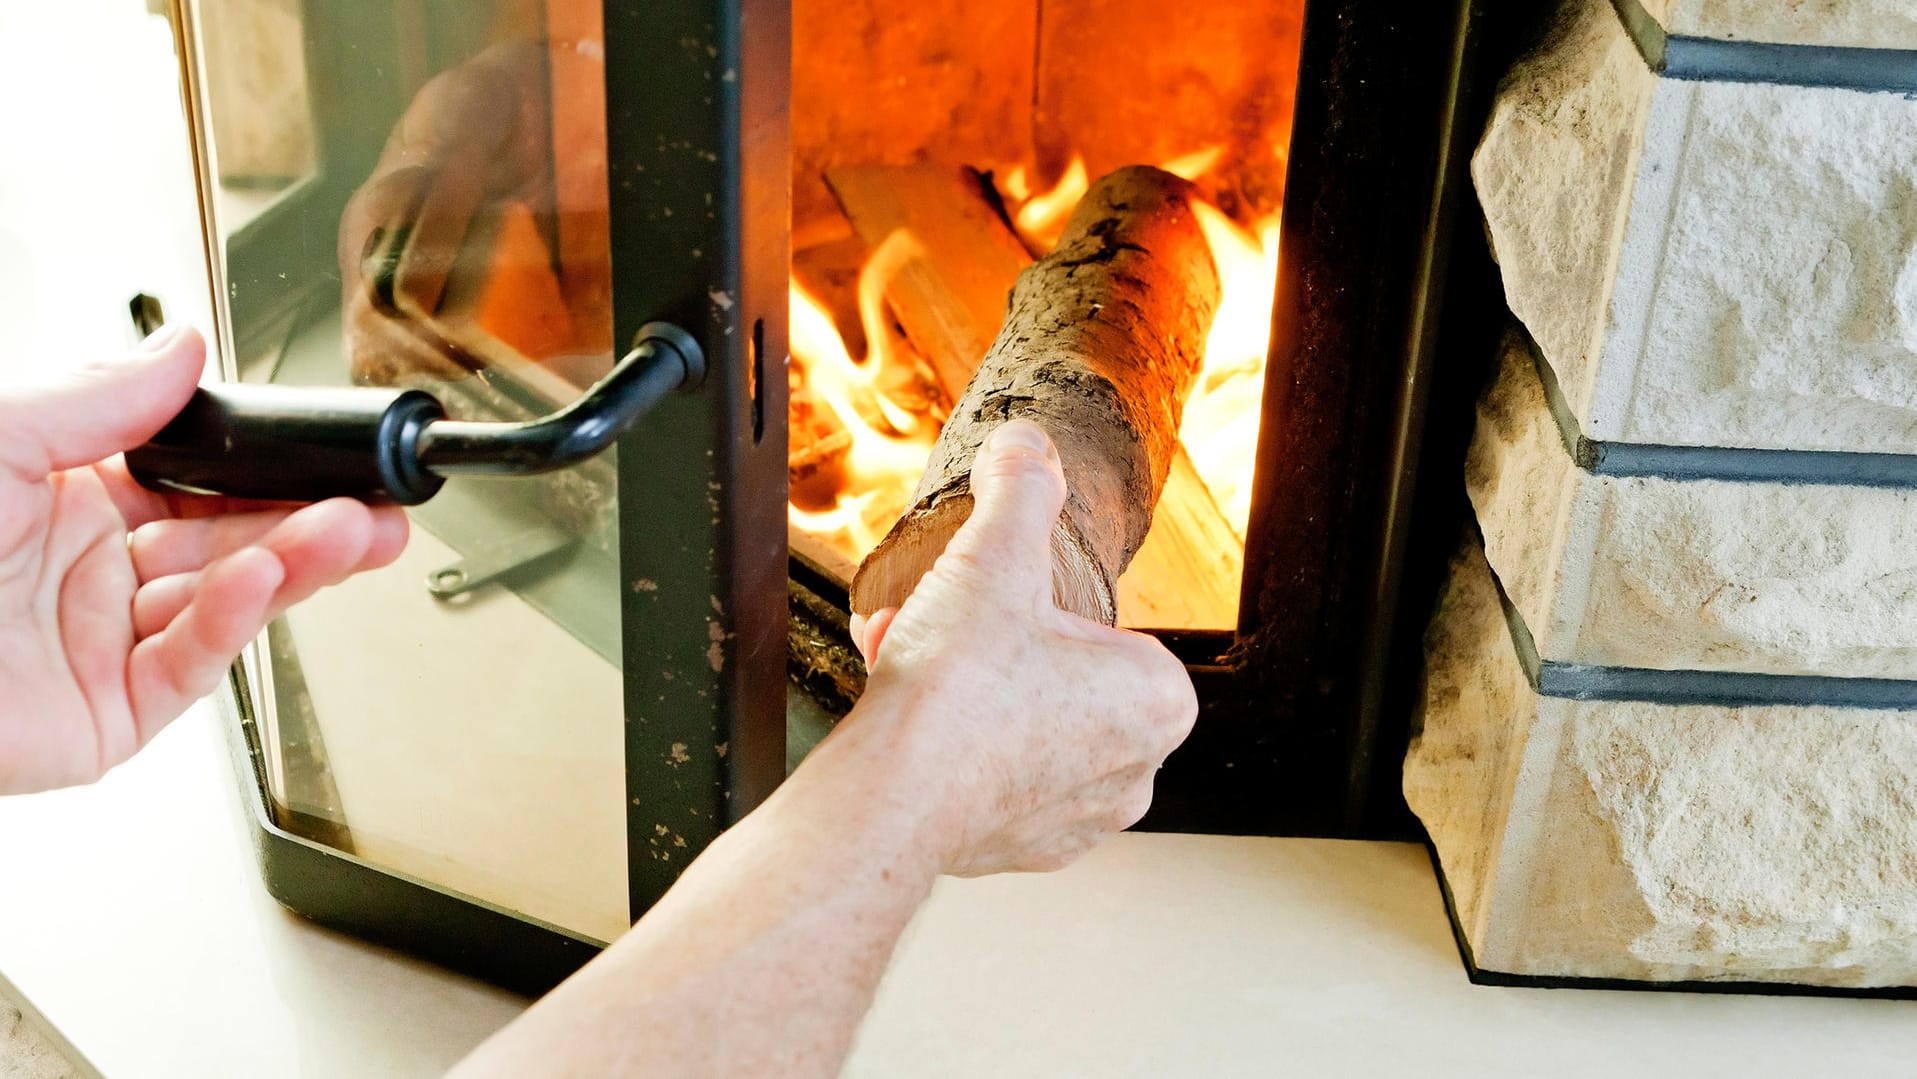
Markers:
<point>101,408</point>
<point>1018,488</point>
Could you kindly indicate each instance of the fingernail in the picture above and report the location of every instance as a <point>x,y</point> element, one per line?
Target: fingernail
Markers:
<point>1021,433</point>
<point>159,340</point>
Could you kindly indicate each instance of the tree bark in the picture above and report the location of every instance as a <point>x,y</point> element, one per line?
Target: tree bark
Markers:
<point>1102,342</point>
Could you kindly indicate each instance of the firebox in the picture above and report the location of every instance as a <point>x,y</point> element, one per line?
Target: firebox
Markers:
<point>504,748</point>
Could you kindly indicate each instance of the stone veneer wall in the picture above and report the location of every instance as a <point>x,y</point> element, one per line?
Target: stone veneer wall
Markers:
<point>1670,714</point>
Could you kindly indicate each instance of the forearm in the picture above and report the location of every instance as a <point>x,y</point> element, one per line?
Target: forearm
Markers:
<point>996,733</point>
<point>765,955</point>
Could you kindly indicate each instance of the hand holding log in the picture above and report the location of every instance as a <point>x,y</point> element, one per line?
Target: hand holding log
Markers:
<point>1101,344</point>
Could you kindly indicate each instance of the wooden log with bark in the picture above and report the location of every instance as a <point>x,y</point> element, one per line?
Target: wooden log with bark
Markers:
<point>1100,347</point>
<point>951,299</point>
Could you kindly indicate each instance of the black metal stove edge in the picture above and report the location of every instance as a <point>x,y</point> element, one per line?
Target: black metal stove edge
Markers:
<point>1735,464</point>
<point>1709,59</point>
<point>1459,125</point>
<point>342,892</point>
<point>1504,980</point>
<point>1794,467</point>
<point>1724,689</point>
<point>696,144</point>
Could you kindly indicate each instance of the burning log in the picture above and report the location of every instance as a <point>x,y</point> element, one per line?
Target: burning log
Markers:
<point>837,273</point>
<point>950,298</point>
<point>1100,346</point>
<point>816,470</point>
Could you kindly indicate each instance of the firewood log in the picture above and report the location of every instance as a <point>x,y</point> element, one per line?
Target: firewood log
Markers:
<point>1100,346</point>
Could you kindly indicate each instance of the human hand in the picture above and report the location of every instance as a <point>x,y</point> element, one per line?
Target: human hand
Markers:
<point>1030,732</point>
<point>473,149</point>
<point>119,607</point>
<point>474,134</point>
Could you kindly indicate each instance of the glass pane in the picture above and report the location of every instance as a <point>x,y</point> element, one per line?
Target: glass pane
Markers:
<point>437,218</point>
<point>257,95</point>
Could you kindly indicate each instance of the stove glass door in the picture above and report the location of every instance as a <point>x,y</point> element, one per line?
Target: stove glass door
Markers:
<point>413,192</point>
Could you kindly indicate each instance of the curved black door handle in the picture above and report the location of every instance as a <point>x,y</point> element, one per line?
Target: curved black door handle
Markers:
<point>303,444</point>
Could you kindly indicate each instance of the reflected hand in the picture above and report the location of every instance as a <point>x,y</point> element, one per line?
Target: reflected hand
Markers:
<point>476,138</point>
<point>120,607</point>
<point>1035,732</point>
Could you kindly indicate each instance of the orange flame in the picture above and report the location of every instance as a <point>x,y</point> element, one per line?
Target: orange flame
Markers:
<point>1195,164</point>
<point>1042,216</point>
<point>885,458</point>
<point>890,443</point>
<point>1220,428</point>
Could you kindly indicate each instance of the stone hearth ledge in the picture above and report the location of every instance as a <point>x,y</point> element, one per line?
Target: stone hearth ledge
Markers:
<point>1858,24</point>
<point>1704,263</point>
<point>1763,578</point>
<point>1607,839</point>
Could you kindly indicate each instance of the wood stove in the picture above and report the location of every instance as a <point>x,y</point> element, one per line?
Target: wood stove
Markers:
<point>500,751</point>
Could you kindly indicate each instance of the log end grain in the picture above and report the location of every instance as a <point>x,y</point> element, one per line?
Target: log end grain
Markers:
<point>894,568</point>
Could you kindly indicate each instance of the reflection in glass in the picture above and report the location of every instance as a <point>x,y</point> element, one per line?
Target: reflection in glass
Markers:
<point>433,213</point>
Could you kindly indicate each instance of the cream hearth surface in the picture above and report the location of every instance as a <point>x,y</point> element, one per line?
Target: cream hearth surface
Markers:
<point>1720,276</point>
<point>159,954</point>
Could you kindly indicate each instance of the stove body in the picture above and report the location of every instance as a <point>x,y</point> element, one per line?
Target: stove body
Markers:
<point>628,627</point>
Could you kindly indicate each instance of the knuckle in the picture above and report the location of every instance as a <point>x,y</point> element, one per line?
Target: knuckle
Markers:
<point>1023,466</point>
<point>1057,856</point>
<point>1179,715</point>
<point>1168,701</point>
<point>1132,807</point>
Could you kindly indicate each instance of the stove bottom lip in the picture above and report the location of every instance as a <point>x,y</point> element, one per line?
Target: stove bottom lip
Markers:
<point>341,891</point>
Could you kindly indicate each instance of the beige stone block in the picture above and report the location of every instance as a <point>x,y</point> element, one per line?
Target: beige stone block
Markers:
<point>1555,173</point>
<point>1707,264</point>
<point>1465,763</point>
<point>1864,24</point>
<point>1688,574</point>
<point>1600,839</point>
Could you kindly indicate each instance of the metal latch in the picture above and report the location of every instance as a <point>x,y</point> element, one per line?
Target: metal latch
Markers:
<point>381,445</point>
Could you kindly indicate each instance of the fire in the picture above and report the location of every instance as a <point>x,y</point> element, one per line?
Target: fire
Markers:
<point>890,443</point>
<point>890,439</point>
<point>1220,429</point>
<point>1195,164</point>
<point>1040,218</point>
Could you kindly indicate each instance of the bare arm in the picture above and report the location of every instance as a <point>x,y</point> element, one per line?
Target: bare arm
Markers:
<point>762,958</point>
<point>997,733</point>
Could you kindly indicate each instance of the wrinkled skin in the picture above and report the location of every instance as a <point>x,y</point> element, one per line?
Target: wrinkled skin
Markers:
<point>995,733</point>
<point>1051,727</point>
<point>120,607</point>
